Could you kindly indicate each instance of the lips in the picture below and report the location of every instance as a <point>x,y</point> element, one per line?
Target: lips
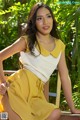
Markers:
<point>46,27</point>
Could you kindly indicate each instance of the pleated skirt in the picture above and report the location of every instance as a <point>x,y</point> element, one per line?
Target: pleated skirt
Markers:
<point>26,96</point>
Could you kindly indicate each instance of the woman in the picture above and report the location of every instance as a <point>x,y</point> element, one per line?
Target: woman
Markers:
<point>40,53</point>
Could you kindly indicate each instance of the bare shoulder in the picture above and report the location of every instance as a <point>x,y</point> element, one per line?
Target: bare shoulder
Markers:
<point>21,43</point>
<point>62,60</point>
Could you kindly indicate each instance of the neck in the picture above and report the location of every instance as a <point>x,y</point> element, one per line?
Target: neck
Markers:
<point>43,38</point>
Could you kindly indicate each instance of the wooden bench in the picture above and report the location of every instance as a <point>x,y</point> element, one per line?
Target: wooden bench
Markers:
<point>65,114</point>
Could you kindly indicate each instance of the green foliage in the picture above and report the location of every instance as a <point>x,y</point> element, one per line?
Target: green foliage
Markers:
<point>76,98</point>
<point>10,21</point>
<point>53,84</point>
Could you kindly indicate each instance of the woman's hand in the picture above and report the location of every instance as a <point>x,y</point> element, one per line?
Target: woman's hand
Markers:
<point>3,88</point>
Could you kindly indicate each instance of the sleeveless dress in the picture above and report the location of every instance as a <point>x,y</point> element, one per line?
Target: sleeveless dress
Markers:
<point>25,93</point>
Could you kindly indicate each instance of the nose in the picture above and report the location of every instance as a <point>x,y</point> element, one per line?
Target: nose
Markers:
<point>45,21</point>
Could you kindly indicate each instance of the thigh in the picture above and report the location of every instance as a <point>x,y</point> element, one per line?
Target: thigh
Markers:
<point>7,108</point>
<point>42,108</point>
<point>55,115</point>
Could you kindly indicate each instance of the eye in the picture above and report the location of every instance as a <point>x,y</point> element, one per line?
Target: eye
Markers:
<point>39,18</point>
<point>49,16</point>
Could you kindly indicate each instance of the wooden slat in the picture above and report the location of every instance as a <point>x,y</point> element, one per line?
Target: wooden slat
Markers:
<point>67,113</point>
<point>9,71</point>
<point>64,117</point>
<point>57,94</point>
<point>58,91</point>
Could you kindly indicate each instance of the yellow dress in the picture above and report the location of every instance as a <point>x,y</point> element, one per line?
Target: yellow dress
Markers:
<point>25,93</point>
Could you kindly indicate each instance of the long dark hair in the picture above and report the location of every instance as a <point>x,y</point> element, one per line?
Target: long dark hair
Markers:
<point>31,26</point>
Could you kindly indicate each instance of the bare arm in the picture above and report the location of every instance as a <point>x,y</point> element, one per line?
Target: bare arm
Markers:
<point>16,47</point>
<point>66,83</point>
<point>46,91</point>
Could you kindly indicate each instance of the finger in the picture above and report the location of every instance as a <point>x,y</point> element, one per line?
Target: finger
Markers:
<point>2,92</point>
<point>2,89</point>
<point>3,85</point>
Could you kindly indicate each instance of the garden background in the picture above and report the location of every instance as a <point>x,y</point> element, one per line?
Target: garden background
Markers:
<point>14,13</point>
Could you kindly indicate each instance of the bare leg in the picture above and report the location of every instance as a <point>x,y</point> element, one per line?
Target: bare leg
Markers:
<point>7,108</point>
<point>55,115</point>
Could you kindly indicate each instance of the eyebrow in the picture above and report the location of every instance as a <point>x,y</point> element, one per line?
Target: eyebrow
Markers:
<point>42,15</point>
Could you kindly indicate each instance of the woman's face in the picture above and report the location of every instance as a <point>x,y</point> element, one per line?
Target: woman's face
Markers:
<point>44,21</point>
